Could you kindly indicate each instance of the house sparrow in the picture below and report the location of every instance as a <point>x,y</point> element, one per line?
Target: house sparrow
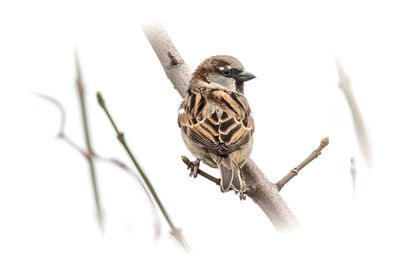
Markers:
<point>216,122</point>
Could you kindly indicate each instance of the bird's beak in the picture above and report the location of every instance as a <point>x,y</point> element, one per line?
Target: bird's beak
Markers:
<point>244,76</point>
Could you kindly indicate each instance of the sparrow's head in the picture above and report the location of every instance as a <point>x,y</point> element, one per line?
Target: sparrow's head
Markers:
<point>225,71</point>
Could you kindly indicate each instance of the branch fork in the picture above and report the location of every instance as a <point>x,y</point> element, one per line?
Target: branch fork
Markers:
<point>281,183</point>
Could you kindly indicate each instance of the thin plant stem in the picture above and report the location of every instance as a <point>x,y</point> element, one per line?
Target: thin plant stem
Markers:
<point>82,101</point>
<point>175,232</point>
<point>116,162</point>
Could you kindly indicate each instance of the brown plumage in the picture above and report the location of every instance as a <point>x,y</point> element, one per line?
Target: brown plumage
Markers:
<point>215,119</point>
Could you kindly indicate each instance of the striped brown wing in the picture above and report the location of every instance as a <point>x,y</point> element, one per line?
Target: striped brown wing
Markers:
<point>220,130</point>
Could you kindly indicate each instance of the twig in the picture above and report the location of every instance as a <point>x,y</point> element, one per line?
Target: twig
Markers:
<point>175,232</point>
<point>82,101</point>
<point>363,140</point>
<point>264,193</point>
<point>202,173</point>
<point>296,170</point>
<point>61,135</point>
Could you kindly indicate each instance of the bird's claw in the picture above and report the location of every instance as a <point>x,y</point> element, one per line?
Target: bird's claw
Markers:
<point>242,196</point>
<point>194,168</point>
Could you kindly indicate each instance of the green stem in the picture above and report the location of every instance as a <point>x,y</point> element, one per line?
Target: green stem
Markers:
<point>82,100</point>
<point>175,232</point>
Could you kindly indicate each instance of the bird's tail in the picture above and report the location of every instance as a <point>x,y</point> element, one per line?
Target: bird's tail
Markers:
<point>231,176</point>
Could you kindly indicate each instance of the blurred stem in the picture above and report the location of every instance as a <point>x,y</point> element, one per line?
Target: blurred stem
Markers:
<point>362,135</point>
<point>175,232</point>
<point>82,100</point>
<point>353,172</point>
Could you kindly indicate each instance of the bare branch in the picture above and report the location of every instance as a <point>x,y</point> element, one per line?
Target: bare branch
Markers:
<point>61,134</point>
<point>264,193</point>
<point>362,136</point>
<point>258,190</point>
<point>176,69</point>
<point>175,232</point>
<point>296,170</point>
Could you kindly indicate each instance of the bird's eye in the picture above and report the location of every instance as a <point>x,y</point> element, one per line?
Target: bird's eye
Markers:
<point>227,72</point>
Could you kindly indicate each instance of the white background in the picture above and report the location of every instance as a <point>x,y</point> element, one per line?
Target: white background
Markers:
<point>47,214</point>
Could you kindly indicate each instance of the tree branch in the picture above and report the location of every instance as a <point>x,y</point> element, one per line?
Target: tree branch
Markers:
<point>253,190</point>
<point>362,136</point>
<point>295,171</point>
<point>264,193</point>
<point>176,69</point>
<point>82,100</point>
<point>175,232</point>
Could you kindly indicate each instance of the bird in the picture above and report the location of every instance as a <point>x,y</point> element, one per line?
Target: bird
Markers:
<point>216,121</point>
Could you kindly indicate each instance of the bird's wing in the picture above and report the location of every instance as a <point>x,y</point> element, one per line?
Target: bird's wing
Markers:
<point>221,130</point>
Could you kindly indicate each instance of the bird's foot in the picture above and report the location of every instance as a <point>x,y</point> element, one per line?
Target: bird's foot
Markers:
<point>194,167</point>
<point>242,196</point>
